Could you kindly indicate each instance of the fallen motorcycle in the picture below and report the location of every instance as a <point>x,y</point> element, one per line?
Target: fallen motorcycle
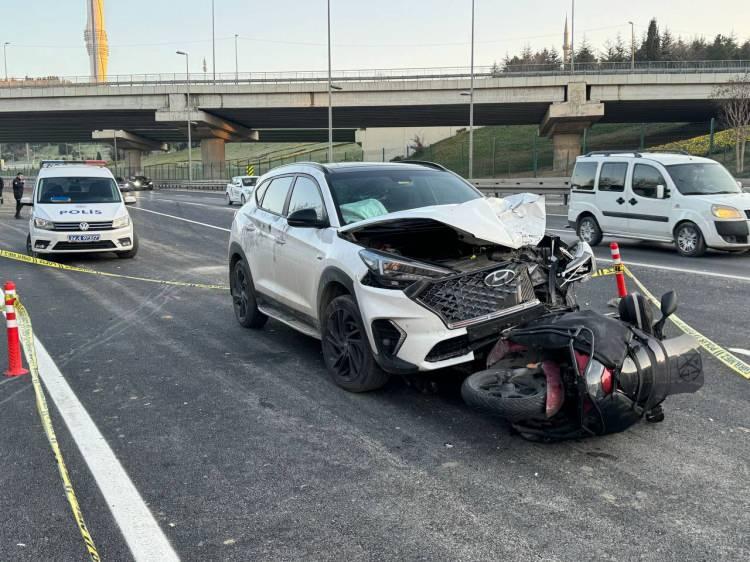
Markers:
<point>573,374</point>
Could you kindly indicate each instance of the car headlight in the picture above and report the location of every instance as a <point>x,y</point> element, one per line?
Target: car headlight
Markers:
<point>44,224</point>
<point>724,212</point>
<point>121,222</point>
<point>398,273</point>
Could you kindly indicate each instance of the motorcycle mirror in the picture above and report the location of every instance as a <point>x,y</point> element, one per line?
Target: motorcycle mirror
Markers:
<point>668,304</point>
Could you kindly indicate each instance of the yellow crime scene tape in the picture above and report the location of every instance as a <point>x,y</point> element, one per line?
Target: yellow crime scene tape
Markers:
<point>55,265</point>
<point>27,339</point>
<point>733,362</point>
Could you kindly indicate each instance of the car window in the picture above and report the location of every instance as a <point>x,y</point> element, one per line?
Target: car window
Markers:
<point>78,190</point>
<point>612,176</point>
<point>583,176</point>
<point>261,191</point>
<point>645,180</point>
<point>702,179</point>
<point>364,194</point>
<point>275,195</point>
<point>249,182</point>
<point>306,195</point>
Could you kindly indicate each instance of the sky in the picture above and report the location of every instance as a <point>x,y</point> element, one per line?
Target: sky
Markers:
<point>46,36</point>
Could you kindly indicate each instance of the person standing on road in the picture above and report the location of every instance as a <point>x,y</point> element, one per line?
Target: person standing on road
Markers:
<point>18,185</point>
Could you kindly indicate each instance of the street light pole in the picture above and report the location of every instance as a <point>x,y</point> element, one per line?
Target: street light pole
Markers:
<point>330,91</point>
<point>5,58</point>
<point>632,45</point>
<point>471,99</point>
<point>213,36</point>
<point>573,37</point>
<point>236,61</point>
<point>190,137</point>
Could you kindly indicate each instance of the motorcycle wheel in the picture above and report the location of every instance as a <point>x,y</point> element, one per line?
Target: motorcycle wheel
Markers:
<point>512,394</point>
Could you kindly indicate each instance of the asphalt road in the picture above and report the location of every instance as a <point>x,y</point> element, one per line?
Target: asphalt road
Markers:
<point>243,448</point>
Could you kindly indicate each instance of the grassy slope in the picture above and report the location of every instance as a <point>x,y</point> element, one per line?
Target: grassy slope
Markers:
<point>514,146</point>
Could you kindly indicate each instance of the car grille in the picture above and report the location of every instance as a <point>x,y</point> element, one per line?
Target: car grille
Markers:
<point>98,245</point>
<point>466,299</point>
<point>76,226</point>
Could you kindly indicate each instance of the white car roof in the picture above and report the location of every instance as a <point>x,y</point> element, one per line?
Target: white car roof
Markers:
<point>75,170</point>
<point>664,158</point>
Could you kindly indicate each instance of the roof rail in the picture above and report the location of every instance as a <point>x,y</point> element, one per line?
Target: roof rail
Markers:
<point>638,153</point>
<point>50,163</point>
<point>426,164</point>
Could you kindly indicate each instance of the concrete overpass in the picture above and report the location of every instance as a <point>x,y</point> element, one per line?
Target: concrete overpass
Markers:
<point>232,109</point>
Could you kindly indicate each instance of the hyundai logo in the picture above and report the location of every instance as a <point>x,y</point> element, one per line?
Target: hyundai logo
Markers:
<point>500,278</point>
<point>84,226</point>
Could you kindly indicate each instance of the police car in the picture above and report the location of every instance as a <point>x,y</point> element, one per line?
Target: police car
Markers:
<point>77,207</point>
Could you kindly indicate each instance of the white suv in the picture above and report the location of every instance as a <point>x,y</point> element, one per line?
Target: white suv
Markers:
<point>397,268</point>
<point>667,197</point>
<point>239,189</point>
<point>78,207</point>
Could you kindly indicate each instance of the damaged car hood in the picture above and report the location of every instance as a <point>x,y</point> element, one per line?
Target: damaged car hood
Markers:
<point>514,221</point>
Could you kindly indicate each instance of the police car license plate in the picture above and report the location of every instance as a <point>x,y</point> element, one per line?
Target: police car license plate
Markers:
<point>83,237</point>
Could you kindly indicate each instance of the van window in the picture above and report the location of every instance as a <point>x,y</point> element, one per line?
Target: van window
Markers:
<point>275,195</point>
<point>645,180</point>
<point>583,176</point>
<point>612,176</point>
<point>67,190</point>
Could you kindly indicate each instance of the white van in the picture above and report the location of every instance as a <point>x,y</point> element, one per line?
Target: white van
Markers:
<point>77,207</point>
<point>690,201</point>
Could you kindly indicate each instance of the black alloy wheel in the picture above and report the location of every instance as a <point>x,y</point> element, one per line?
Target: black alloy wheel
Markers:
<point>243,298</point>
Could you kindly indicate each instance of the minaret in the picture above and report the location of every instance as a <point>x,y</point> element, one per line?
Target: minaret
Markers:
<point>96,40</point>
<point>566,44</point>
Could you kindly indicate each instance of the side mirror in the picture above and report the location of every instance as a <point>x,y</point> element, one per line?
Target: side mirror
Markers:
<point>660,191</point>
<point>306,218</point>
<point>27,202</point>
<point>668,304</point>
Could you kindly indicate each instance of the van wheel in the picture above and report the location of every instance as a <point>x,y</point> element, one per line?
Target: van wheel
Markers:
<point>128,254</point>
<point>689,240</point>
<point>29,249</point>
<point>346,349</point>
<point>588,230</point>
<point>229,200</point>
<point>242,200</point>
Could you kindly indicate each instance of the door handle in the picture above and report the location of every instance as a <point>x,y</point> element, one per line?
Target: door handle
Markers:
<point>633,201</point>
<point>620,200</point>
<point>279,240</point>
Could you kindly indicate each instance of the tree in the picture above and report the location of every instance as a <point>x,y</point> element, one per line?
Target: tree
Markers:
<point>616,52</point>
<point>585,54</point>
<point>98,155</point>
<point>667,46</point>
<point>651,45</point>
<point>734,109</point>
<point>495,69</point>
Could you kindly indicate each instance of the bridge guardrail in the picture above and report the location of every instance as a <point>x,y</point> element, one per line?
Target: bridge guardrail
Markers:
<point>385,74</point>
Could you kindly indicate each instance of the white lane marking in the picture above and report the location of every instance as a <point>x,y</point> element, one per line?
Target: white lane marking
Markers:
<point>222,207</point>
<point>740,351</point>
<point>139,528</point>
<point>182,219</point>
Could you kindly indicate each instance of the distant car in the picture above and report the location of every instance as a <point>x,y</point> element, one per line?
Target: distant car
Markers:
<point>141,183</point>
<point>240,189</point>
<point>692,202</point>
<point>123,184</point>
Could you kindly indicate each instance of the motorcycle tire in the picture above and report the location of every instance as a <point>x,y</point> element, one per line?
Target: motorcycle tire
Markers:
<point>507,394</point>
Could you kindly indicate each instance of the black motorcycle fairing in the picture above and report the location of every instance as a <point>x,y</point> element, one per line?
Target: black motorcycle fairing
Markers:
<point>610,338</point>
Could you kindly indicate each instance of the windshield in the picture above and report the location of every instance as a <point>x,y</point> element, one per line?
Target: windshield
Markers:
<point>365,194</point>
<point>249,182</point>
<point>702,179</point>
<point>78,190</point>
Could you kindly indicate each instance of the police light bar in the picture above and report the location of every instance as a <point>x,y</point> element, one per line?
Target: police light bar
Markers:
<point>50,163</point>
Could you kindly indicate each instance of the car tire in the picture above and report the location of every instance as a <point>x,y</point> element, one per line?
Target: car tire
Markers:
<point>244,301</point>
<point>229,200</point>
<point>131,253</point>
<point>29,250</point>
<point>242,200</point>
<point>502,393</point>
<point>346,348</point>
<point>689,241</point>
<point>588,230</point>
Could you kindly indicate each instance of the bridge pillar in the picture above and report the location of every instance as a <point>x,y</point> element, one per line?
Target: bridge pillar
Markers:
<point>132,161</point>
<point>213,156</point>
<point>565,123</point>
